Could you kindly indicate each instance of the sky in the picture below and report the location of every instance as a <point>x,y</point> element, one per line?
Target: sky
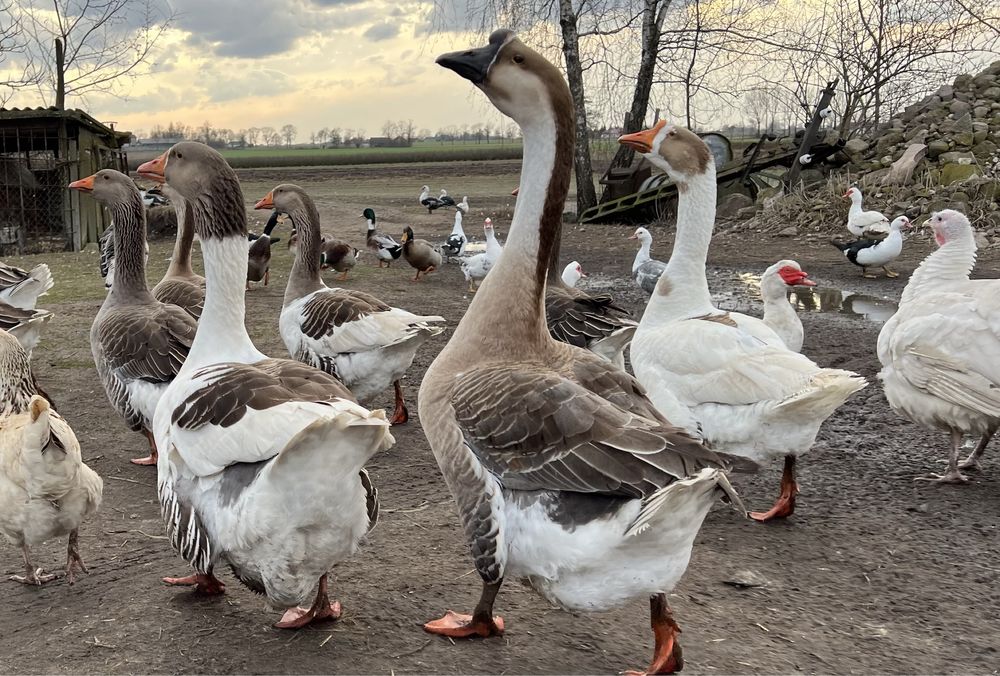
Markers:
<point>310,63</point>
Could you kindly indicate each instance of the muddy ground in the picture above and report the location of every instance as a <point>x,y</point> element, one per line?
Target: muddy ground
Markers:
<point>874,573</point>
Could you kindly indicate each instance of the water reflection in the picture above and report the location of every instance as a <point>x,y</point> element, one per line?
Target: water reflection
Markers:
<point>834,300</point>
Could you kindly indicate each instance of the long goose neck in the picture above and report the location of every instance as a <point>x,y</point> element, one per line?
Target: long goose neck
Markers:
<point>683,286</point>
<point>180,261</point>
<point>515,287</point>
<point>221,222</point>
<point>130,249</point>
<point>952,262</point>
<point>305,276</point>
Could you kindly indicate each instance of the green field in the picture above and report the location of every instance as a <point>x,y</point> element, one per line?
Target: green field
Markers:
<point>428,151</point>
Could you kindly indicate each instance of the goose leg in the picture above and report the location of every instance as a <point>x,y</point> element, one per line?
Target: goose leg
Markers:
<point>952,475</point>
<point>972,462</point>
<point>481,623</point>
<point>73,558</point>
<point>267,276</point>
<point>785,504</point>
<point>321,609</point>
<point>416,278</point>
<point>891,274</point>
<point>153,455</point>
<point>32,575</point>
<point>343,276</point>
<point>203,583</point>
<point>866,274</point>
<point>400,415</point>
<point>668,657</point>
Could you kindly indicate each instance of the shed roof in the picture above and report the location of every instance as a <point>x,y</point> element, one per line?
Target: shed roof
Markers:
<point>74,115</point>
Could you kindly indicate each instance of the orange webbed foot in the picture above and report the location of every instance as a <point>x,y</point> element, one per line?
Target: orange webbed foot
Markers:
<point>458,625</point>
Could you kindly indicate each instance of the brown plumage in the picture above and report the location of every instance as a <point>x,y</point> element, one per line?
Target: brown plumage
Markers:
<point>339,255</point>
<point>419,254</point>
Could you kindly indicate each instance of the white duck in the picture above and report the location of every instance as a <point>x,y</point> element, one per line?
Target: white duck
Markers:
<point>22,288</point>
<point>46,490</point>
<point>445,200</point>
<point>751,395</point>
<point>940,352</point>
<point>261,468</point>
<point>572,273</point>
<point>645,269</point>
<point>427,200</point>
<point>863,223</point>
<point>563,473</point>
<point>779,315</point>
<point>475,268</point>
<point>349,334</point>
<point>876,253</point>
<point>454,246</point>
<point>463,206</point>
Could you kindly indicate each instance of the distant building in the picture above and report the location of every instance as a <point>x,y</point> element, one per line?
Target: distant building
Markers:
<point>386,142</point>
<point>42,150</point>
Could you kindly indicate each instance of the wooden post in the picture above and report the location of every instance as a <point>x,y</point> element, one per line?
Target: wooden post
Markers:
<point>810,136</point>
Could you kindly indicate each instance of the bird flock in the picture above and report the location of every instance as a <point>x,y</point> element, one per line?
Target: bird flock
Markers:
<point>587,481</point>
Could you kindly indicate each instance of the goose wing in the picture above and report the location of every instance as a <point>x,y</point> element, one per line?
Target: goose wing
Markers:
<point>577,318</point>
<point>148,344</point>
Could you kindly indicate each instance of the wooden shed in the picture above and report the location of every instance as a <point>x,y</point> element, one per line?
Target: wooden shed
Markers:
<point>42,150</point>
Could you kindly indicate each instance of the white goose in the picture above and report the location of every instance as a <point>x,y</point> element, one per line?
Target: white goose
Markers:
<point>863,223</point>
<point>645,269</point>
<point>751,395</point>
<point>563,472</point>
<point>262,458</point>
<point>475,268</point>
<point>463,206</point>
<point>349,334</point>
<point>940,352</point>
<point>779,315</point>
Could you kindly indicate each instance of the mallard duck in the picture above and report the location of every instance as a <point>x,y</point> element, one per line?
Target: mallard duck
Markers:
<point>46,490</point>
<point>259,254</point>
<point>348,334</point>
<point>139,343</point>
<point>180,285</point>
<point>385,247</point>
<point>419,253</point>
<point>21,288</point>
<point>262,468</point>
<point>750,394</point>
<point>563,473</point>
<point>338,255</point>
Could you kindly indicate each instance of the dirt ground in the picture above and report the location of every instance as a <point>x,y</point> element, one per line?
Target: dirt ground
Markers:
<point>874,574</point>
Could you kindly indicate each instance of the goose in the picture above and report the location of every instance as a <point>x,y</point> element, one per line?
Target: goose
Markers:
<point>645,269</point>
<point>779,315</point>
<point>138,342</point>
<point>259,253</point>
<point>338,255</point>
<point>21,288</point>
<point>429,201</point>
<point>419,253</point>
<point>46,490</point>
<point>875,253</point>
<point>454,246</point>
<point>463,206</point>
<point>572,273</point>
<point>445,200</point>
<point>751,395</point>
<point>940,352</point>
<point>563,472</point>
<point>262,468</point>
<point>180,285</point>
<point>352,335</point>
<point>385,247</point>
<point>106,243</point>
<point>863,223</point>
<point>475,268</point>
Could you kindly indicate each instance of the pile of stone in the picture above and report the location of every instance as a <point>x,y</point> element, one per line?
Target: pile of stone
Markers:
<point>940,152</point>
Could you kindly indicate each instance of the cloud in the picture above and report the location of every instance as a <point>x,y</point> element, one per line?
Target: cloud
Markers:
<point>382,31</point>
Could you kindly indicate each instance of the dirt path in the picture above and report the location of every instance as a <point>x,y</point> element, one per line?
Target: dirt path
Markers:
<point>875,573</point>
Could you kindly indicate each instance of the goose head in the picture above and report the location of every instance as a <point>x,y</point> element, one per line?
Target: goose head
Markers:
<point>572,274</point>
<point>677,151</point>
<point>284,199</point>
<point>643,236</point>
<point>783,274</point>
<point>900,224</point>
<point>950,225</point>
<point>108,187</point>
<point>519,81</point>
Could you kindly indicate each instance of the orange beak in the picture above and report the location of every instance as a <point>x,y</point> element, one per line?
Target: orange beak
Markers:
<point>84,184</point>
<point>153,169</point>
<point>266,202</point>
<point>515,191</point>
<point>642,141</point>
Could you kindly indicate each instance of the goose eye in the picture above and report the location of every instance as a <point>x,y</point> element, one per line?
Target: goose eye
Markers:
<point>518,58</point>
<point>107,178</point>
<point>177,155</point>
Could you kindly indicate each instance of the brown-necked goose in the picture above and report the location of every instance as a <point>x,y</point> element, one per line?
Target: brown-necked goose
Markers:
<point>139,343</point>
<point>419,253</point>
<point>22,288</point>
<point>262,462</point>
<point>563,472</point>
<point>259,253</point>
<point>367,344</point>
<point>181,285</point>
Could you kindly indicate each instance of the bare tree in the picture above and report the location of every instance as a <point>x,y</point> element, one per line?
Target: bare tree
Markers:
<point>289,132</point>
<point>334,136</point>
<point>267,135</point>
<point>17,67</point>
<point>253,133</point>
<point>96,45</point>
<point>408,130</point>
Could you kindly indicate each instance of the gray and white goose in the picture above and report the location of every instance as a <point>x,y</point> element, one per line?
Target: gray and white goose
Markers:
<point>138,343</point>
<point>22,288</point>
<point>563,472</point>
<point>262,468</point>
<point>181,285</point>
<point>349,334</point>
